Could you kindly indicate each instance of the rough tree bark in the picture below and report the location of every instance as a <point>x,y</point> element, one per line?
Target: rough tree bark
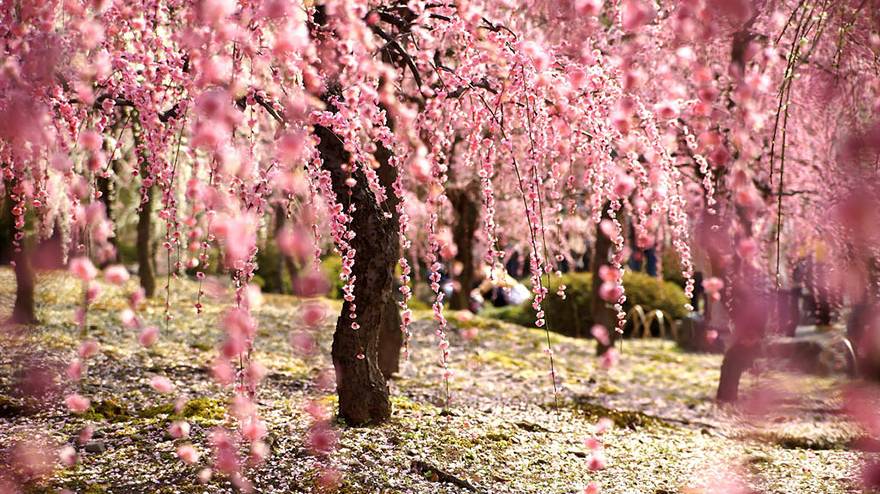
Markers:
<point>601,311</point>
<point>390,335</point>
<point>362,390</point>
<point>467,214</point>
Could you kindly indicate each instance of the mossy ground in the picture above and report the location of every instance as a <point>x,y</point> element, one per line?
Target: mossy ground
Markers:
<point>503,431</point>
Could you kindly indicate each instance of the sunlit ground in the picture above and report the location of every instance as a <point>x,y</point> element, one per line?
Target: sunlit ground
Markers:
<point>501,433</point>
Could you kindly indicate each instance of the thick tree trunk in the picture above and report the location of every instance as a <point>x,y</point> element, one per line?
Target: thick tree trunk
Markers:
<point>145,246</point>
<point>602,312</point>
<point>363,393</point>
<point>467,214</point>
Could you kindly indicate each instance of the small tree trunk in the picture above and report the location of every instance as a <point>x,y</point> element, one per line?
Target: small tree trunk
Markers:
<point>23,309</point>
<point>283,261</point>
<point>363,393</point>
<point>390,335</point>
<point>737,359</point>
<point>145,247</point>
<point>602,313</point>
<point>25,280</point>
<point>104,188</point>
<point>390,339</point>
<point>467,214</point>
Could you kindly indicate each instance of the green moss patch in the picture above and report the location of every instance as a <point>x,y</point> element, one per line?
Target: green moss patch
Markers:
<point>198,409</point>
<point>108,410</point>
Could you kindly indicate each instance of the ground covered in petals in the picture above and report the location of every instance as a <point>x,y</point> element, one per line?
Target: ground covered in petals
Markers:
<point>504,430</point>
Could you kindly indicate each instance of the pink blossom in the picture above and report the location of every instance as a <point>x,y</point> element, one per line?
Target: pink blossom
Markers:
<point>205,475</point>
<point>329,479</point>
<point>610,291</point>
<point>588,7</point>
<point>317,411</point>
<point>242,407</point>
<point>128,318</point>
<point>311,284</point>
<point>75,370</point>
<point>636,13</point>
<point>596,461</point>
<point>711,336</point>
<point>610,358</point>
<point>321,439</point>
<point>179,429</point>
<point>608,228</point>
<point>137,297</point>
<point>592,488</point>
<point>77,403</point>
<point>148,336</point>
<point>255,373</point>
<point>85,435</point>
<point>295,243</point>
<point>608,273</point>
<point>420,168</point>
<point>747,248</point>
<point>116,275</point>
<point>214,11</point>
<point>713,287</point>
<point>82,268</point>
<point>603,425</point>
<point>259,452</point>
<point>253,429</point>
<point>239,322</point>
<point>234,345</point>
<point>92,34</point>
<point>601,334</point>
<point>303,342</point>
<point>93,291</point>
<point>88,349</point>
<point>225,455</point>
<point>33,458</point>
<point>188,454</point>
<point>313,314</point>
<point>162,384</point>
<point>67,455</point>
<point>91,140</point>
<point>222,371</point>
<point>624,185</point>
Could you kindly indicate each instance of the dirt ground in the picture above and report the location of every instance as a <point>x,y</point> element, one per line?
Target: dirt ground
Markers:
<point>503,432</point>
